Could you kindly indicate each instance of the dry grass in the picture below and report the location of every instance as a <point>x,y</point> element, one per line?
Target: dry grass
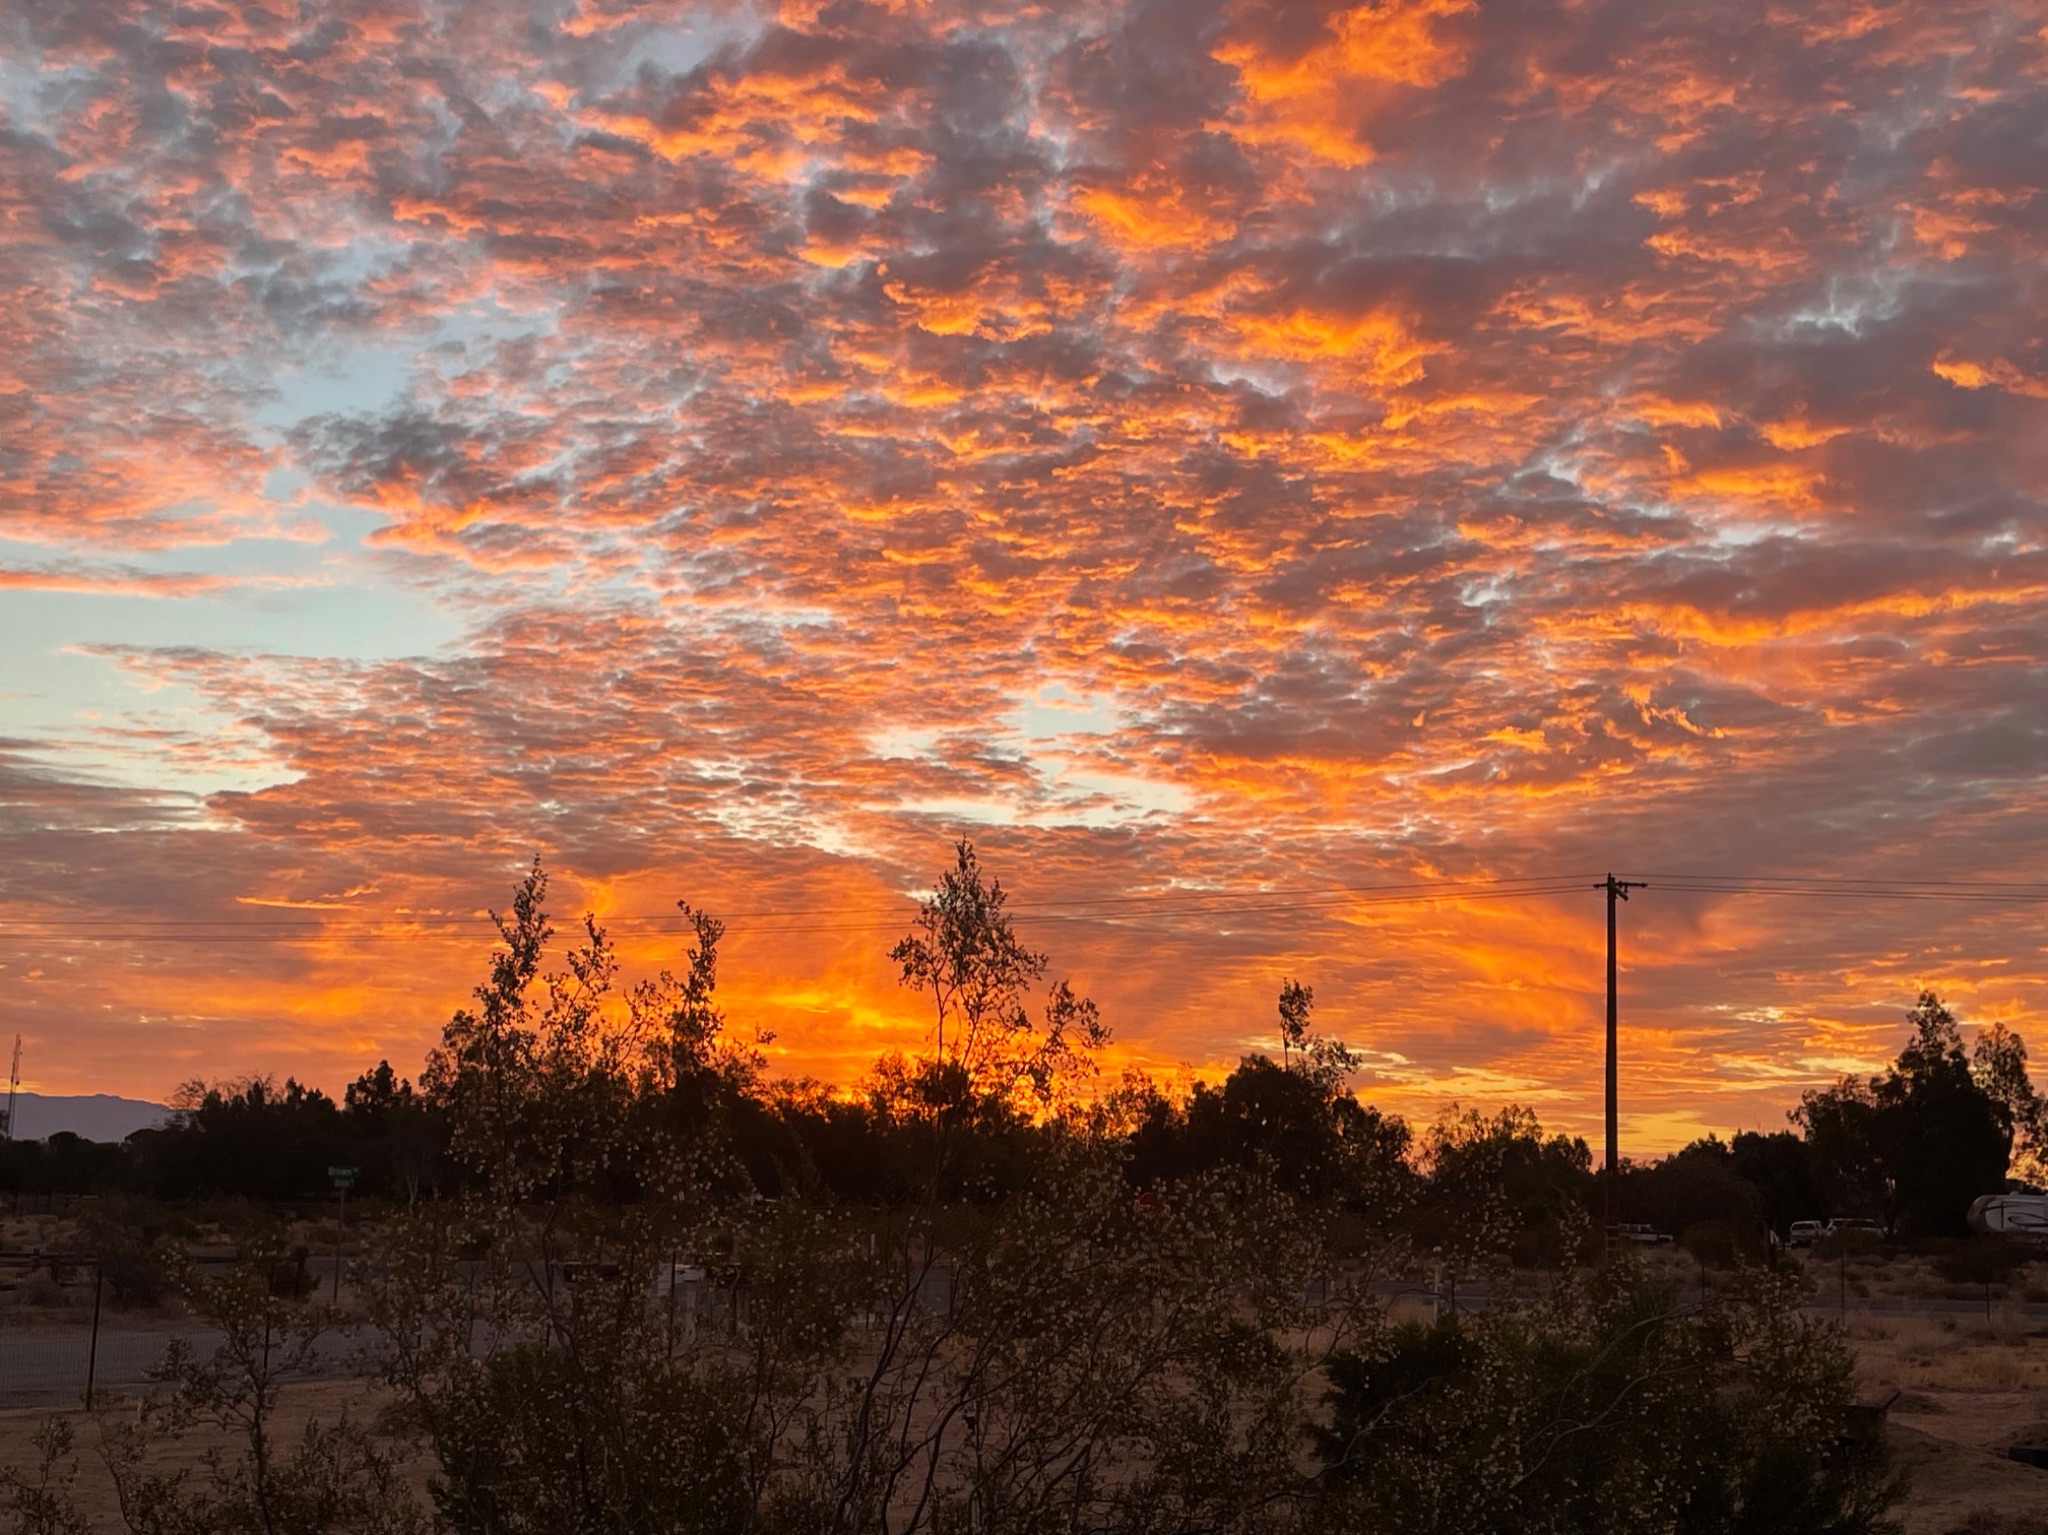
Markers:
<point>2008,1353</point>
<point>1965,1390</point>
<point>93,1490</point>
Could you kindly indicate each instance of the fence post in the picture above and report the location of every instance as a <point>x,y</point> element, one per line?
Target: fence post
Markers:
<point>92,1352</point>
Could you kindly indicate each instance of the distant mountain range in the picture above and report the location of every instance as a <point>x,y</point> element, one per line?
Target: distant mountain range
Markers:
<point>96,1116</point>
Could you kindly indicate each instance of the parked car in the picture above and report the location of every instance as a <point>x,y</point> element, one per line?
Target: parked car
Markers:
<point>1649,1236</point>
<point>1844,1225</point>
<point>1805,1233</point>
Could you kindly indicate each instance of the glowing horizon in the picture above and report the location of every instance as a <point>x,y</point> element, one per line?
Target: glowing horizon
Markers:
<point>733,449</point>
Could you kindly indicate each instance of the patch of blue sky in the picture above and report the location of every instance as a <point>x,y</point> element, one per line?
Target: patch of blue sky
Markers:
<point>1055,711</point>
<point>85,716</point>
<point>768,615</point>
<point>982,811</point>
<point>1092,797</point>
<point>779,826</point>
<point>362,380</point>
<point>1485,591</point>
<point>615,57</point>
<point>281,595</point>
<point>31,93</point>
<point>678,47</point>
<point>78,700</point>
<point>898,741</point>
<point>1052,730</point>
<point>1740,531</point>
<point>1055,728</point>
<point>358,377</point>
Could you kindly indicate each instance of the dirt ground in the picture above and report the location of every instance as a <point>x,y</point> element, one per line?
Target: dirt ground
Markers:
<point>93,1491</point>
<point>1962,1392</point>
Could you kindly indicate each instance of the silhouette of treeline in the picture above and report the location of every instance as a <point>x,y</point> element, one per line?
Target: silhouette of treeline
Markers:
<point>1910,1148</point>
<point>624,1281</point>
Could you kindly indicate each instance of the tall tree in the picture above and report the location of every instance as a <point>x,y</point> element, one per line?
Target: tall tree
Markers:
<point>966,957</point>
<point>1941,1135</point>
<point>1780,1168</point>
<point>1999,1063</point>
<point>1920,1142</point>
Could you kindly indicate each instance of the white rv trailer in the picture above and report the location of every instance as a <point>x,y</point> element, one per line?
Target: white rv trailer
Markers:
<point>2020,1215</point>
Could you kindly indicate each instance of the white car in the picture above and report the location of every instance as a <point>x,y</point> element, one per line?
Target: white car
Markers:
<point>1805,1233</point>
<point>1649,1236</point>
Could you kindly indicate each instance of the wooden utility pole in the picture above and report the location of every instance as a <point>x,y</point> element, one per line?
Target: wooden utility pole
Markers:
<point>92,1354</point>
<point>13,1083</point>
<point>1617,889</point>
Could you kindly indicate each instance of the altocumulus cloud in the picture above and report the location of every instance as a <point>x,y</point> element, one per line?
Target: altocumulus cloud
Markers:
<point>1188,445</point>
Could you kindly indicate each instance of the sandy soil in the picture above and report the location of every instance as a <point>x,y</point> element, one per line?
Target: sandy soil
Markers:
<point>1962,1394</point>
<point>1959,1489</point>
<point>93,1491</point>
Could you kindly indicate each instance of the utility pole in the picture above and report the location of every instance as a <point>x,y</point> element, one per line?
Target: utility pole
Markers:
<point>13,1082</point>
<point>1617,889</point>
<point>92,1355</point>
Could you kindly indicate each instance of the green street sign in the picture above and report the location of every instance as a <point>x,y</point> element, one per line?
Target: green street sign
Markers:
<point>343,1176</point>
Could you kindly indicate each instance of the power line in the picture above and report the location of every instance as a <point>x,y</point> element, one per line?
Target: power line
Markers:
<point>1192,899</point>
<point>229,931</point>
<point>1852,880</point>
<point>2012,895</point>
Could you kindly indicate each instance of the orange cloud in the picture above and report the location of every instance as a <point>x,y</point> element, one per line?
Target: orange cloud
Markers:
<point>1222,456</point>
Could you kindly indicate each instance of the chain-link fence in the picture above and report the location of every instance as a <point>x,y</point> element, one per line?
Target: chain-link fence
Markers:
<point>53,1364</point>
<point>60,1364</point>
<point>62,1342</point>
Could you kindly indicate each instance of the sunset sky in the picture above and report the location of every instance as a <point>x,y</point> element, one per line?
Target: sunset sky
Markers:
<point>1226,458</point>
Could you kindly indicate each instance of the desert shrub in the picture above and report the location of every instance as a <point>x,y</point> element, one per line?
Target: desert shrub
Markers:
<point>39,1501</point>
<point>1980,1260</point>
<point>534,1441</point>
<point>333,1478</point>
<point>1720,1243</point>
<point>287,1275</point>
<point>135,1280</point>
<point>1607,1407</point>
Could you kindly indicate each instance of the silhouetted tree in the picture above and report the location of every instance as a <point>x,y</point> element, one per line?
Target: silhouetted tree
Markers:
<point>401,1142</point>
<point>1697,1195</point>
<point>248,1138</point>
<point>1295,1117</point>
<point>327,1478</point>
<point>1999,1063</point>
<point>68,1164</point>
<point>1944,1139</point>
<point>1046,1356</point>
<point>1919,1143</point>
<point>1839,1124</point>
<point>964,954</point>
<point>1780,1168</point>
<point>1497,1186</point>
